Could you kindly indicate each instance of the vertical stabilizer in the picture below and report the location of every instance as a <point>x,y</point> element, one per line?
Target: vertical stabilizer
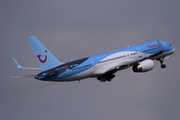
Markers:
<point>44,57</point>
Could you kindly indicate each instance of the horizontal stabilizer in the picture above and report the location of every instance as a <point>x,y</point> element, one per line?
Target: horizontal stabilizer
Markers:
<point>20,67</point>
<point>22,76</point>
<point>17,64</point>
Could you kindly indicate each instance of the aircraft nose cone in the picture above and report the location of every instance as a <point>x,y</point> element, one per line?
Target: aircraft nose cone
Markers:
<point>36,77</point>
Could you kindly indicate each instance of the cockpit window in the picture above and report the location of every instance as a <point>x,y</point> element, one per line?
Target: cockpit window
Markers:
<point>170,44</point>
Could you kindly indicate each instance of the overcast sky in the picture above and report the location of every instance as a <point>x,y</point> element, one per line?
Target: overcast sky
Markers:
<point>73,29</point>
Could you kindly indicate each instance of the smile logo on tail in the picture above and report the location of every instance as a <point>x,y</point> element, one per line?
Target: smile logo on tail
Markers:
<point>42,61</point>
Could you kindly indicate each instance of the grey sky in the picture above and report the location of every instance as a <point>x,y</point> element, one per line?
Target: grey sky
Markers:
<point>73,29</point>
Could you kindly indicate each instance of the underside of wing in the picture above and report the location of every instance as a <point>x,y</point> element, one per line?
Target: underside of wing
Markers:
<point>120,66</point>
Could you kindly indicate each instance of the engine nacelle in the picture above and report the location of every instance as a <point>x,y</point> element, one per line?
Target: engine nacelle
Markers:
<point>144,66</point>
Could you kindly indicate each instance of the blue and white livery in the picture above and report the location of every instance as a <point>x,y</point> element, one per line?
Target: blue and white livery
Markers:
<point>102,66</point>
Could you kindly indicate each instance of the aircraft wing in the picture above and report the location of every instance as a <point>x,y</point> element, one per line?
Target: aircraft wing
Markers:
<point>123,65</point>
<point>115,67</point>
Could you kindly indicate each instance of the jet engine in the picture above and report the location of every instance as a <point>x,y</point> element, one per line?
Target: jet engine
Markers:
<point>143,66</point>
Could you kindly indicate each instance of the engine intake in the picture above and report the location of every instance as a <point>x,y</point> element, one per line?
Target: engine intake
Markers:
<point>143,66</point>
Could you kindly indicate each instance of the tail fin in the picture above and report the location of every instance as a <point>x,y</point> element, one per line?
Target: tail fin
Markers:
<point>44,57</point>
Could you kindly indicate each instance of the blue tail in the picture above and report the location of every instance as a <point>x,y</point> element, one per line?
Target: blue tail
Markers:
<point>44,57</point>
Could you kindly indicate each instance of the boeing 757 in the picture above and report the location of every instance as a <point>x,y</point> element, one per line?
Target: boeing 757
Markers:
<point>103,66</point>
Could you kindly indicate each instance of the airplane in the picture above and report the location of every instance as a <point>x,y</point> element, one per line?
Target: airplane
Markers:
<point>102,66</point>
